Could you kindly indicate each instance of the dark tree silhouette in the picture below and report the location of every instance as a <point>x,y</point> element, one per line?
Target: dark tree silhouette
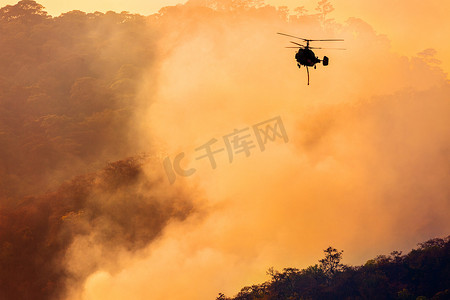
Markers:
<point>332,261</point>
<point>422,274</point>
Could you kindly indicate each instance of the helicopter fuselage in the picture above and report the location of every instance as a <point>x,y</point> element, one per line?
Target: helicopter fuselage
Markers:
<point>306,57</point>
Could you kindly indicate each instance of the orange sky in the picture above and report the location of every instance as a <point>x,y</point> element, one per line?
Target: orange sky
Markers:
<point>56,7</point>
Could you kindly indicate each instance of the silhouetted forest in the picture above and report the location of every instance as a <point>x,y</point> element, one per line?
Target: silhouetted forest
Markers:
<point>422,274</point>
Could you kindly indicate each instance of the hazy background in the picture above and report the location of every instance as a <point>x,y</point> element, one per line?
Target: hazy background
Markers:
<point>365,169</point>
<point>410,25</point>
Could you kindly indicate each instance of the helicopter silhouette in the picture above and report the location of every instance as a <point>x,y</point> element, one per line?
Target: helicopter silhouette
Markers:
<point>305,56</point>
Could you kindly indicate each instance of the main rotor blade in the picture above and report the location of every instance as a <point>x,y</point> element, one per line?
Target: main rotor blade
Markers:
<point>297,44</point>
<point>292,36</point>
<point>327,48</point>
<point>294,47</point>
<point>325,40</point>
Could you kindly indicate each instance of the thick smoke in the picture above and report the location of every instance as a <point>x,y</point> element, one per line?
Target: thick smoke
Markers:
<point>67,106</point>
<point>116,209</point>
<point>365,169</point>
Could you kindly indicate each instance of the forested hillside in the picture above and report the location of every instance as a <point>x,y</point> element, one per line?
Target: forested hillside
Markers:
<point>67,92</point>
<point>423,273</point>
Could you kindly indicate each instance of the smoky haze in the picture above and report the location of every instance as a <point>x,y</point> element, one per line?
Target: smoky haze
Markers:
<point>91,103</point>
<point>75,188</point>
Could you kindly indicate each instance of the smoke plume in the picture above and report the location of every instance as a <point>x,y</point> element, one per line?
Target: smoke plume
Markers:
<point>365,168</point>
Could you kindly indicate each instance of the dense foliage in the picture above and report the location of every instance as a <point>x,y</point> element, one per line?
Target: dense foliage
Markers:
<point>424,273</point>
<point>67,92</point>
<point>68,88</point>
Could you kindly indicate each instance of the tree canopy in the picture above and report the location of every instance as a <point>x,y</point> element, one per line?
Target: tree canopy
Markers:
<point>424,273</point>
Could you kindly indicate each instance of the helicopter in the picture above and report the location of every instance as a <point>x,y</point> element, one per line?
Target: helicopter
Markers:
<point>305,56</point>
